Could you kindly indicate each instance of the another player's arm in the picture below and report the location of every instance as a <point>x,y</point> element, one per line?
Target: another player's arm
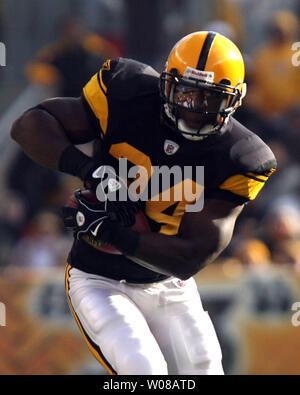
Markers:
<point>48,133</point>
<point>203,236</point>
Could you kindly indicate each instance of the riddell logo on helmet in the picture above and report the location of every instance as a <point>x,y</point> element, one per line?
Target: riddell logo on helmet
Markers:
<point>200,73</point>
<point>207,76</point>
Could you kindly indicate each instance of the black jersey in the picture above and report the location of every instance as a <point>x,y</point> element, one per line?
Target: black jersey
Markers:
<point>124,105</point>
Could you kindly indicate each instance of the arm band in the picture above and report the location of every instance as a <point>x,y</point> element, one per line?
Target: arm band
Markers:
<point>75,162</point>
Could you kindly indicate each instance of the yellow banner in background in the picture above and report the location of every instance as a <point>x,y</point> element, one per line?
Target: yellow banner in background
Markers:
<point>39,336</point>
<point>256,313</point>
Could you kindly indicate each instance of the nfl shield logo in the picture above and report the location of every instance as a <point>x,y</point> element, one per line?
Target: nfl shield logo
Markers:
<point>170,147</point>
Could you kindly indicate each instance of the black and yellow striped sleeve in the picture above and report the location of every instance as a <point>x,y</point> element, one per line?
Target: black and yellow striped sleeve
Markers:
<point>250,165</point>
<point>95,94</point>
<point>241,188</point>
<point>246,185</point>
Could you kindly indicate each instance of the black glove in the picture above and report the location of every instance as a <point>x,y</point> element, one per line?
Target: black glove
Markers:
<point>93,174</point>
<point>86,175</point>
<point>86,218</point>
<point>107,186</point>
<point>90,216</point>
<point>99,222</point>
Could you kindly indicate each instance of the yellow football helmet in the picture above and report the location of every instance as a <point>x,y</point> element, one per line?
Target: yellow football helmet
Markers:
<point>202,84</point>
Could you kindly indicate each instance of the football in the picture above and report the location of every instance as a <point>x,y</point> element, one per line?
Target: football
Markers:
<point>141,224</point>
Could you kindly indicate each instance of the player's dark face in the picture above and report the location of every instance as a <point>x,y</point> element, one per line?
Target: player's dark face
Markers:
<point>198,107</point>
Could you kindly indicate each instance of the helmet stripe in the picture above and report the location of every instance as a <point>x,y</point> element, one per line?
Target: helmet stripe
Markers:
<point>205,50</point>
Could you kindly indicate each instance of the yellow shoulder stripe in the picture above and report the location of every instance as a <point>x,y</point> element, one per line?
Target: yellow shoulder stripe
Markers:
<point>260,177</point>
<point>243,186</point>
<point>95,94</point>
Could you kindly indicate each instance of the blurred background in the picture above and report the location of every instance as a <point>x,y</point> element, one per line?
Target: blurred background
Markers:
<point>53,47</point>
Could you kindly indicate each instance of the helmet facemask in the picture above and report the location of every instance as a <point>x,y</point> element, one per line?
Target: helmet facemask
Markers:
<point>197,108</point>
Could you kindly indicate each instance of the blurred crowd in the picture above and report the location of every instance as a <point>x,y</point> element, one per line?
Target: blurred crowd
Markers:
<point>268,230</point>
<point>32,233</point>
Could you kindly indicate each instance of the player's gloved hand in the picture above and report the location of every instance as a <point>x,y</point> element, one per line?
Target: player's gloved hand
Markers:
<point>98,222</point>
<point>86,175</point>
<point>87,214</point>
<point>107,186</point>
<point>84,217</point>
<point>92,175</point>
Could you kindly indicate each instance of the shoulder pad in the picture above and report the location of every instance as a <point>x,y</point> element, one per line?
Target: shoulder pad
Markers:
<point>251,154</point>
<point>127,78</point>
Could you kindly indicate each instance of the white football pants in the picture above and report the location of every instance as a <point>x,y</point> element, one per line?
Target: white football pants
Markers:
<point>144,329</point>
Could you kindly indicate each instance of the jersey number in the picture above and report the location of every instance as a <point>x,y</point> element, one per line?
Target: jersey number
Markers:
<point>169,212</point>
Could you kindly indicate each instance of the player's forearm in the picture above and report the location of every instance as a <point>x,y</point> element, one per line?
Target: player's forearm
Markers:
<point>175,256</point>
<point>170,255</point>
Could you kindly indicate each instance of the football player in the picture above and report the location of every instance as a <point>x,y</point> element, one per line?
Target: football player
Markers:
<point>140,311</point>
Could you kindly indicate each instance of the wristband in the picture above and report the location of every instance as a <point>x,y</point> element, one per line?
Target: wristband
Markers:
<point>75,162</point>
